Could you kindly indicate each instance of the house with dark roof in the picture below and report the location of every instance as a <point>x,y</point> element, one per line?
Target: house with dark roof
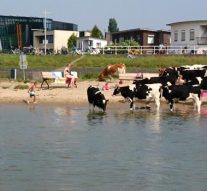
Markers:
<point>145,37</point>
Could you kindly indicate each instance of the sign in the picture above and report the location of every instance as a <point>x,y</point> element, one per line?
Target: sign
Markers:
<point>23,61</point>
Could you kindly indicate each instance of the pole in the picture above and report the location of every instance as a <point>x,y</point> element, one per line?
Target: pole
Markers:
<point>45,33</point>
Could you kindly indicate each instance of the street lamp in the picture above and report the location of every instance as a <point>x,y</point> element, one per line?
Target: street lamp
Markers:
<point>45,31</point>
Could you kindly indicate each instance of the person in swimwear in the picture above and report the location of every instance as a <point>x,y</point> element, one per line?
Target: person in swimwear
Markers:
<point>31,92</point>
<point>70,79</point>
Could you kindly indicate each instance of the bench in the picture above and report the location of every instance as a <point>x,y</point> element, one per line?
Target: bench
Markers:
<point>131,76</point>
<point>57,76</point>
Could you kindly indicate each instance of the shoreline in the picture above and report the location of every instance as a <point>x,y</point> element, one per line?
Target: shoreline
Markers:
<point>57,94</point>
<point>61,94</point>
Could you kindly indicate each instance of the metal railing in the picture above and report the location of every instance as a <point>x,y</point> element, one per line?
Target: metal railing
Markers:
<point>147,50</point>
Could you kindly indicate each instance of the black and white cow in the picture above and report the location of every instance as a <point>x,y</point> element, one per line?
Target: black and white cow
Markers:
<point>148,92</point>
<point>182,93</point>
<point>192,75</point>
<point>96,98</point>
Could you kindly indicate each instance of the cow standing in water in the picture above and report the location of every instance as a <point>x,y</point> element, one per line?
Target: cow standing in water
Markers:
<point>96,98</point>
<point>110,70</point>
<point>182,93</point>
<point>147,92</point>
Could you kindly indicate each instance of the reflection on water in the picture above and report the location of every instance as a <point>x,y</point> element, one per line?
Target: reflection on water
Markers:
<point>95,117</point>
<point>72,148</point>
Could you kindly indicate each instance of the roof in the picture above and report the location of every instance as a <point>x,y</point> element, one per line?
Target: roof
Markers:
<point>90,38</point>
<point>139,29</point>
<point>185,22</point>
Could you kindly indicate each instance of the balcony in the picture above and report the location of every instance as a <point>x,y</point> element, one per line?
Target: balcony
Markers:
<point>201,40</point>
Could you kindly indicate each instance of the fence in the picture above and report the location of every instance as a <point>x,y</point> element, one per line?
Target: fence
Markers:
<point>139,50</point>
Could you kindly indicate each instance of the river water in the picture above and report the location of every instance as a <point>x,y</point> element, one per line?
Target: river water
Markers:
<point>69,148</point>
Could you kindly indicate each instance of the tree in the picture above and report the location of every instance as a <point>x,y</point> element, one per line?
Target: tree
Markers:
<point>129,43</point>
<point>72,41</point>
<point>112,25</point>
<point>96,33</point>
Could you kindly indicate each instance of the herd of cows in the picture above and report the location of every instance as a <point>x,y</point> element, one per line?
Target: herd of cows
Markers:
<point>162,86</point>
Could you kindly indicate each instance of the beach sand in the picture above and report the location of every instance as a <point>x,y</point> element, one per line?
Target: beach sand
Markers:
<point>56,94</point>
<point>59,94</point>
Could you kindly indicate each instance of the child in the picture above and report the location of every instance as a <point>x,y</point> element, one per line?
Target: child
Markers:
<point>180,80</point>
<point>32,92</point>
<point>106,86</point>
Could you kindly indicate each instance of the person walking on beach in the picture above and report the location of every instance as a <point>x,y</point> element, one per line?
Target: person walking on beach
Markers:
<point>32,93</point>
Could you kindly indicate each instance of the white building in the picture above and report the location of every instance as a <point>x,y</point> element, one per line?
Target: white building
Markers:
<point>89,43</point>
<point>56,39</point>
<point>189,33</point>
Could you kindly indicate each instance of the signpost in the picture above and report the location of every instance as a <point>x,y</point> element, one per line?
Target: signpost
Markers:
<point>23,63</point>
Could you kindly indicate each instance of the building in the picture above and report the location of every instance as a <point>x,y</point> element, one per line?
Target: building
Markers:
<point>88,43</point>
<point>17,32</point>
<point>145,37</point>
<point>56,39</point>
<point>189,33</point>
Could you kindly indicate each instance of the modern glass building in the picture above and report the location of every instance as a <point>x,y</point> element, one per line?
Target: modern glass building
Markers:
<point>17,32</point>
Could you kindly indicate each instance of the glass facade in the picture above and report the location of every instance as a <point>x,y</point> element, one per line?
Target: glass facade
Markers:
<point>17,32</point>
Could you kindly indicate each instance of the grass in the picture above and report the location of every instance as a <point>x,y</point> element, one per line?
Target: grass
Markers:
<point>8,61</point>
<point>21,87</point>
<point>148,63</point>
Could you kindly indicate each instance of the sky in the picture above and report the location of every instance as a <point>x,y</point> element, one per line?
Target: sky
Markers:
<point>129,14</point>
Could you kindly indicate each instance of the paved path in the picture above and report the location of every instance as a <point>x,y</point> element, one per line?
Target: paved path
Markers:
<point>73,62</point>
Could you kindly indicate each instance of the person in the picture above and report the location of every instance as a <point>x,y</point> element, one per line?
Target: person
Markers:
<point>106,86</point>
<point>31,92</point>
<point>70,79</point>
<point>180,80</point>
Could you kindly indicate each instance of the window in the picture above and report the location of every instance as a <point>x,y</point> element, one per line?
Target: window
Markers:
<point>192,34</point>
<point>49,39</point>
<point>182,35</point>
<point>176,36</point>
<point>98,45</point>
<point>121,39</point>
<point>150,39</point>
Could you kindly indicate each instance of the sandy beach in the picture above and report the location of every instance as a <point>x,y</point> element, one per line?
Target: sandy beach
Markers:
<point>59,94</point>
<point>56,94</point>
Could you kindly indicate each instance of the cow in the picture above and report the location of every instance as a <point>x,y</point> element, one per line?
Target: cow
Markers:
<point>146,92</point>
<point>96,98</point>
<point>110,70</point>
<point>192,76</point>
<point>183,93</point>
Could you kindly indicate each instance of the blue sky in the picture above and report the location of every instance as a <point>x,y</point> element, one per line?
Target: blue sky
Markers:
<point>129,14</point>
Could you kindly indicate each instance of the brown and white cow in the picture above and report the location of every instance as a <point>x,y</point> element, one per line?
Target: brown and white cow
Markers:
<point>112,69</point>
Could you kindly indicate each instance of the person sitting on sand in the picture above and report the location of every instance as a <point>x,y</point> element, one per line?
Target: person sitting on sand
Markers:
<point>106,86</point>
<point>32,93</point>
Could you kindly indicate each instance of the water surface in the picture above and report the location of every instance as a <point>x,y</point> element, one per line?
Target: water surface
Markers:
<point>51,148</point>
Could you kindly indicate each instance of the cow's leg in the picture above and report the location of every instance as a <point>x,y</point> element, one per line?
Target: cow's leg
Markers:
<point>110,77</point>
<point>147,104</point>
<point>197,102</point>
<point>171,102</point>
<point>157,104</point>
<point>131,103</point>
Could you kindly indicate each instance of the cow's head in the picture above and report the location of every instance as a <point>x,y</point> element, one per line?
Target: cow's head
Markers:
<point>117,91</point>
<point>162,72</point>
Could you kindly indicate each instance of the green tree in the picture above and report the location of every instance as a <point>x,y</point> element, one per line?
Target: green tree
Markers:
<point>113,27</point>
<point>128,43</point>
<point>96,33</point>
<point>72,41</point>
